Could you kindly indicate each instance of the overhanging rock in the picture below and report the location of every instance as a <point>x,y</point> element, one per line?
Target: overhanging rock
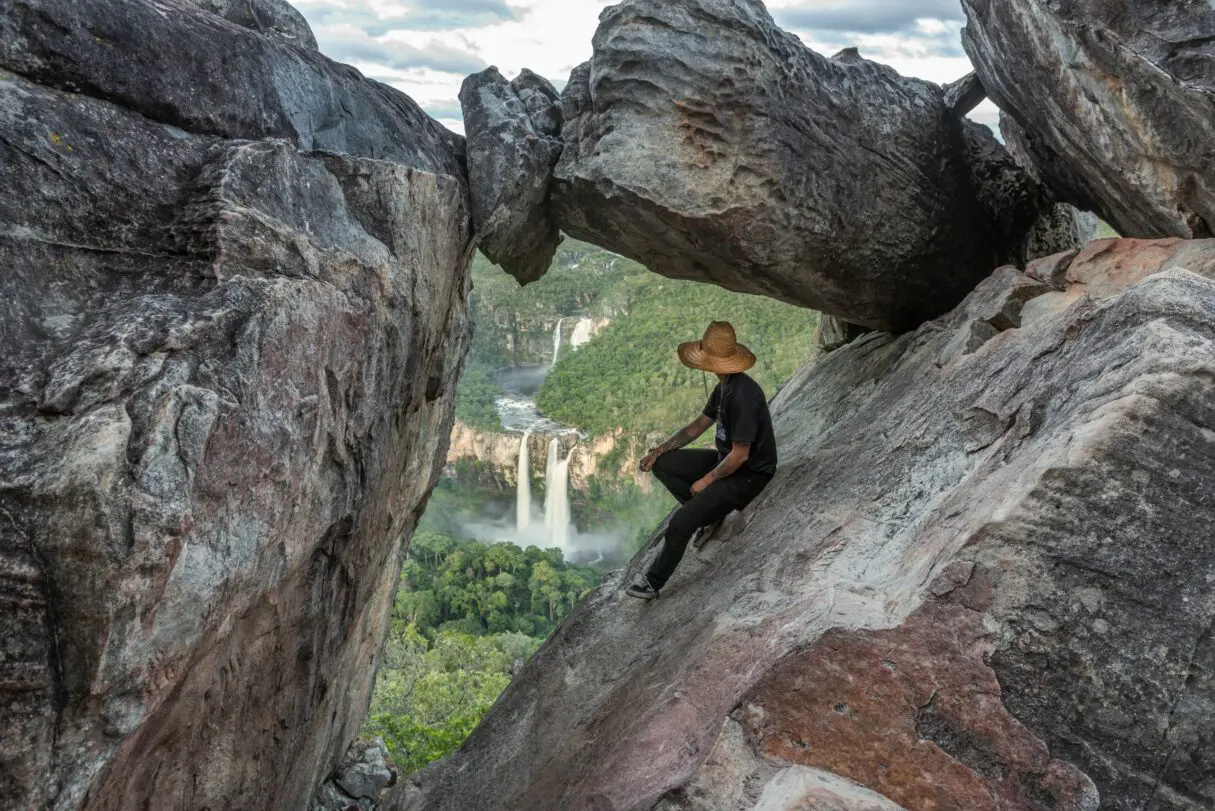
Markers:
<point>706,143</point>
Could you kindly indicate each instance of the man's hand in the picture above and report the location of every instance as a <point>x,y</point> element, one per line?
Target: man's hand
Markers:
<point>648,461</point>
<point>700,485</point>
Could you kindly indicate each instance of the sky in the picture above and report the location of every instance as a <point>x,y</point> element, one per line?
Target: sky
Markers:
<point>425,48</point>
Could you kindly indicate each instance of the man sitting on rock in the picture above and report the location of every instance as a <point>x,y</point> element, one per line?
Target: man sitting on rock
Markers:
<point>710,484</point>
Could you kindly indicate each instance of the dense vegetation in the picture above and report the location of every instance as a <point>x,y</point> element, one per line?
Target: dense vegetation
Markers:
<point>466,617</point>
<point>475,396</point>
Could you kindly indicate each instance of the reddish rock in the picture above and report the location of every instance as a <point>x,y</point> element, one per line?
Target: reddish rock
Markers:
<point>914,713</point>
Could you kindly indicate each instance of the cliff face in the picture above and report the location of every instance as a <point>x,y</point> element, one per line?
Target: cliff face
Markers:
<point>501,453</point>
<point>226,392</point>
<point>981,579</point>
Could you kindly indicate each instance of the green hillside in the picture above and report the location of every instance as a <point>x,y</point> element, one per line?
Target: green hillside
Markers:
<point>630,377</point>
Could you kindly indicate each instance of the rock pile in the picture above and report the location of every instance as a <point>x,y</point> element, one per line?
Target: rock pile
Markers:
<point>364,775</point>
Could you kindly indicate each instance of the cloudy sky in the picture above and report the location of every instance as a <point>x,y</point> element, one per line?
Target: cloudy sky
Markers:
<point>426,47</point>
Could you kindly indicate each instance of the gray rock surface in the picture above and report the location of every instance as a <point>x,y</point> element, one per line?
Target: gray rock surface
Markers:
<point>274,17</point>
<point>1114,102</point>
<point>982,579</point>
<point>364,775</point>
<point>514,141</point>
<point>834,333</point>
<point>225,394</point>
<point>706,143</point>
<point>217,79</point>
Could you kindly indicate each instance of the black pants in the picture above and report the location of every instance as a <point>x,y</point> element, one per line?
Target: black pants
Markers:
<point>678,471</point>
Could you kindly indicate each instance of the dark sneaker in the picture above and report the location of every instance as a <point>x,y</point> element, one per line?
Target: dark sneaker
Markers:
<point>642,590</point>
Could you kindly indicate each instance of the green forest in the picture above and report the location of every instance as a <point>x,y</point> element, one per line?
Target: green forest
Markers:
<point>466,618</point>
<point>629,376</point>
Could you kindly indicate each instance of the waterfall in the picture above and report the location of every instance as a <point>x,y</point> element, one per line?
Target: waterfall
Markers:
<point>523,490</point>
<point>582,332</point>
<point>556,497</point>
<point>557,342</point>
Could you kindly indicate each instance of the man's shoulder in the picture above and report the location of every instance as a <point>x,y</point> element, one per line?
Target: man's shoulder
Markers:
<point>744,382</point>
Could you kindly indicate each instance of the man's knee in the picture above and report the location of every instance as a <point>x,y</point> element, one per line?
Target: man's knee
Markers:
<point>665,464</point>
<point>683,523</point>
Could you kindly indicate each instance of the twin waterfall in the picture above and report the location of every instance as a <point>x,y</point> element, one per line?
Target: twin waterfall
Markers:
<point>556,495</point>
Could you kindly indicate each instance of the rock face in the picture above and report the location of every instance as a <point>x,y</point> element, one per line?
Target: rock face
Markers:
<point>514,141</point>
<point>1113,101</point>
<point>273,17</point>
<point>706,143</point>
<point>225,394</point>
<point>982,579</point>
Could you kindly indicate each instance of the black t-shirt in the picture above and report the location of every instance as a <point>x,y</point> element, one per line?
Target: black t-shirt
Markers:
<point>741,411</point>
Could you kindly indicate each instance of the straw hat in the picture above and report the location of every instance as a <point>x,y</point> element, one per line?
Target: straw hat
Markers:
<point>718,352</point>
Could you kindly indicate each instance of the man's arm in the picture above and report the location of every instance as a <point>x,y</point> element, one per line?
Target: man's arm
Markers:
<point>685,436</point>
<point>735,459</point>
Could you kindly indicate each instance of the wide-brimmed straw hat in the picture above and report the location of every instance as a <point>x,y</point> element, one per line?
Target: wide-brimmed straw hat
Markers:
<point>719,352</point>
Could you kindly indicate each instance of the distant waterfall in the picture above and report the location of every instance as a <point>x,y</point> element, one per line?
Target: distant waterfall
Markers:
<point>523,490</point>
<point>556,497</point>
<point>582,332</point>
<point>557,342</point>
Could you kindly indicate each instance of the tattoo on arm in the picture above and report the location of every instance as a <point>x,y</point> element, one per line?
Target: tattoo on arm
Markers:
<point>685,436</point>
<point>732,463</point>
<point>680,439</point>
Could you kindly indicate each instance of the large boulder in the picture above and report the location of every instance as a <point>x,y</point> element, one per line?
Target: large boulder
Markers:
<point>226,390</point>
<point>983,578</point>
<point>514,141</point>
<point>706,143</point>
<point>1113,103</point>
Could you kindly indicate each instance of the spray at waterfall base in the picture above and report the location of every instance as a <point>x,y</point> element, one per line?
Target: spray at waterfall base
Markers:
<point>546,522</point>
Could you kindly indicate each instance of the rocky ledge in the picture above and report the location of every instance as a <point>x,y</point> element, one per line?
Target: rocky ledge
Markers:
<point>1012,609</point>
